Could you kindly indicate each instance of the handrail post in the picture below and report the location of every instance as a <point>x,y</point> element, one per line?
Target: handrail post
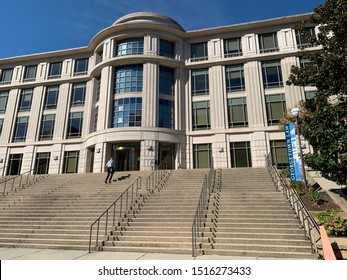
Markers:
<point>107,212</point>
<point>306,220</point>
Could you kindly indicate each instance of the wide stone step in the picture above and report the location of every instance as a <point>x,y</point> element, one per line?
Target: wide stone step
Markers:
<point>46,241</point>
<point>227,226</point>
<point>155,238</point>
<point>158,223</point>
<point>146,232</point>
<point>148,244</point>
<point>255,220</point>
<point>254,233</point>
<point>249,213</point>
<point>45,246</point>
<point>142,249</point>
<point>260,254</point>
<point>155,220</point>
<point>35,235</point>
<point>168,228</point>
<point>257,241</point>
<point>261,247</point>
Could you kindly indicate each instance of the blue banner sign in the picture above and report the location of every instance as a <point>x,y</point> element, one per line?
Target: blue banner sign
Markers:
<point>292,152</point>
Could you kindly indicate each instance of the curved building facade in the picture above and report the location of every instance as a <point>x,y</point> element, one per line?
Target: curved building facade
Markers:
<point>145,89</point>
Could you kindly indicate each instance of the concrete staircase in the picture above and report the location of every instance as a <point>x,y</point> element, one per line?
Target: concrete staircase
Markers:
<point>248,218</point>
<point>164,222</point>
<point>58,211</point>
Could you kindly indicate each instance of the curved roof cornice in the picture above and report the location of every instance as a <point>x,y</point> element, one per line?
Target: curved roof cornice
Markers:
<point>148,17</point>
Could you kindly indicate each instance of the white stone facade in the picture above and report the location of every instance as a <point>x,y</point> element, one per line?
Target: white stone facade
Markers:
<point>136,147</point>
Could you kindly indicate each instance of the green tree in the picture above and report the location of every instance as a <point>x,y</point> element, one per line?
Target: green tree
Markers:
<point>323,121</point>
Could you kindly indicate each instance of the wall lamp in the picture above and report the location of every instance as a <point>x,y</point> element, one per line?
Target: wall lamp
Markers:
<point>150,148</point>
<point>98,150</point>
<point>221,150</point>
<point>1,160</point>
<point>56,158</point>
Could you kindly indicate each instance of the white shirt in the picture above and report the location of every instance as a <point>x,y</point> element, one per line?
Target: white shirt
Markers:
<point>109,163</point>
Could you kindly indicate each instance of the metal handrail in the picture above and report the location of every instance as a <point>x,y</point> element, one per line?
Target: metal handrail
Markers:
<point>308,223</point>
<point>11,181</point>
<point>115,210</point>
<point>157,176</point>
<point>200,213</point>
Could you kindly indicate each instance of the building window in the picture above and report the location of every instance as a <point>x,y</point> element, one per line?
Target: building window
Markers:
<point>275,108</point>
<point>200,83</point>
<point>81,67</point>
<point>55,70</point>
<point>127,112</point>
<point>201,115</point>
<point>272,74</point>
<point>98,86</point>
<point>99,56</point>
<point>235,80</point>
<point>232,47</point>
<point>30,73</point>
<point>71,162</point>
<point>198,52</point>
<point>51,99</point>
<point>268,43</point>
<point>304,62</point>
<point>20,130</point>
<point>241,154</point>
<point>166,48</point>
<point>47,127</point>
<point>166,80</point>
<point>1,125</point>
<point>129,79</point>
<point>310,94</point>
<point>166,113</point>
<point>130,46</point>
<point>237,112</point>
<point>42,163</point>
<point>279,153</point>
<point>6,76</point>
<point>25,100</point>
<point>96,116</point>
<point>301,41</point>
<point>78,94</point>
<point>74,129</point>
<point>202,156</point>
<point>3,101</point>
<point>14,164</point>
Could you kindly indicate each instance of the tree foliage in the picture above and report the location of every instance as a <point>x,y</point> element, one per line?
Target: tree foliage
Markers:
<point>323,121</point>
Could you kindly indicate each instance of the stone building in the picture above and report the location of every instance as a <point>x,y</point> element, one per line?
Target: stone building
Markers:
<point>145,89</point>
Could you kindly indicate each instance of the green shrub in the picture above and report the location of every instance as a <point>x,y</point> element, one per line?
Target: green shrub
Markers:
<point>298,187</point>
<point>285,172</point>
<point>334,225</point>
<point>326,216</point>
<point>315,196</point>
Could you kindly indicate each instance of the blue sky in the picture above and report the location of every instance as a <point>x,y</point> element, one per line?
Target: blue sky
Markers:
<point>35,26</point>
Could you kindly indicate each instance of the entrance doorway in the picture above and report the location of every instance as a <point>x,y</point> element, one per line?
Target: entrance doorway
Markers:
<point>127,156</point>
<point>167,151</point>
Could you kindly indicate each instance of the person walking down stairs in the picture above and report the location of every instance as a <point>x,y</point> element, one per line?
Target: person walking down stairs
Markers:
<point>110,170</point>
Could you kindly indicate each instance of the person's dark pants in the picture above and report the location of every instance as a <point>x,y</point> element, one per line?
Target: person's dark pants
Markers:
<point>109,175</point>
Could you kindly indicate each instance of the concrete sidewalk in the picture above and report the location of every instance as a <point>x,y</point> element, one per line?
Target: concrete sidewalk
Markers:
<point>51,254</point>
